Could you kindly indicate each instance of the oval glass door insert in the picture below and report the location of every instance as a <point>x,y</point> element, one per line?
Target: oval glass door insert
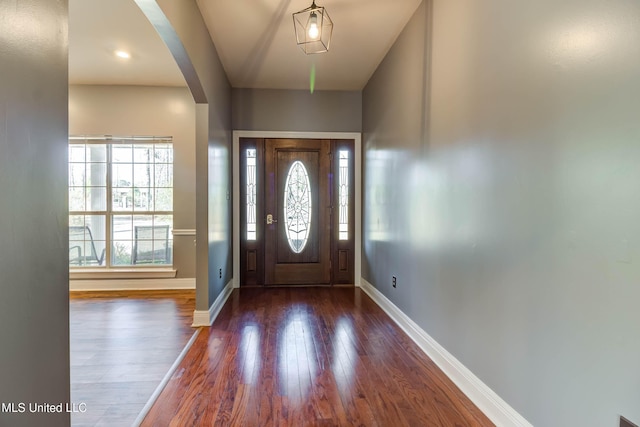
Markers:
<point>297,206</point>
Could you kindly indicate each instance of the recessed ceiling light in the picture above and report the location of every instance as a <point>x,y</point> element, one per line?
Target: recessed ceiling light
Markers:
<point>122,54</point>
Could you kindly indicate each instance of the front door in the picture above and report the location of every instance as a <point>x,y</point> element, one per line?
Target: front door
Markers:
<point>298,212</point>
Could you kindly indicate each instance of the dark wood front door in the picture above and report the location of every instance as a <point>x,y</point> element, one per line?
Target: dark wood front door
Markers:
<point>298,212</point>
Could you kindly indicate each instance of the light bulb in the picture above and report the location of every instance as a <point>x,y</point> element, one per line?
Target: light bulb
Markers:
<point>314,31</point>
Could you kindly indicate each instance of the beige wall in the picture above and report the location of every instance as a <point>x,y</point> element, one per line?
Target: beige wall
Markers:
<point>34,225</point>
<point>502,188</point>
<point>148,111</point>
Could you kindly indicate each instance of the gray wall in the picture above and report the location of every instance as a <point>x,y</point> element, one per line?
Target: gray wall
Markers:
<point>296,110</point>
<point>191,45</point>
<point>147,110</point>
<point>34,278</point>
<point>513,134</point>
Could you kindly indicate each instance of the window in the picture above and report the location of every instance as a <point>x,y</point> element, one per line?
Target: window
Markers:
<point>343,195</point>
<point>297,206</point>
<point>120,201</point>
<point>251,194</point>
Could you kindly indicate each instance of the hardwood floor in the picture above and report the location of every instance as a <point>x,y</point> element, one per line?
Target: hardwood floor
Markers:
<point>308,357</point>
<point>122,346</point>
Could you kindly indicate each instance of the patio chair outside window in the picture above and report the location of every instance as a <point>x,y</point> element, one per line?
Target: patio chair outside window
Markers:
<point>151,244</point>
<point>82,248</point>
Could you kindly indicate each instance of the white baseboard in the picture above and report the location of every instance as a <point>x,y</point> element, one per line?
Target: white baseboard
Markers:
<point>131,284</point>
<point>496,409</point>
<point>207,317</point>
<point>165,380</point>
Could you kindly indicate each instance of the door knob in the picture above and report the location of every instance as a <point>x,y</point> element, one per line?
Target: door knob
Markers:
<point>270,219</point>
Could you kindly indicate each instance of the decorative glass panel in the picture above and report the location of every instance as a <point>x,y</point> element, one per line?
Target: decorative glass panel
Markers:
<point>343,194</point>
<point>251,194</point>
<point>297,206</point>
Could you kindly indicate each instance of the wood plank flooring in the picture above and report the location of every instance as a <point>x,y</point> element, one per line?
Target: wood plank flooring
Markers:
<point>122,346</point>
<point>308,357</point>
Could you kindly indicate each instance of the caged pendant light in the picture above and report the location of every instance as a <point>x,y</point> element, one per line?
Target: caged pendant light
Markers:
<point>313,28</point>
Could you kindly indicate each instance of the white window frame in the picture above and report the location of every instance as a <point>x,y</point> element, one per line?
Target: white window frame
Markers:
<point>107,270</point>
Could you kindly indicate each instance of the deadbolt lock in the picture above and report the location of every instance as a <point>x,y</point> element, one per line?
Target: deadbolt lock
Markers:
<point>270,219</point>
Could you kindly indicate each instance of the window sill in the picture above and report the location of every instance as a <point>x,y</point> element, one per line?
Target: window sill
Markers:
<point>122,273</point>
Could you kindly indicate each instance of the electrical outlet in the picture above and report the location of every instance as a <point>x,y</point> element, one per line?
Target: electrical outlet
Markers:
<point>394,281</point>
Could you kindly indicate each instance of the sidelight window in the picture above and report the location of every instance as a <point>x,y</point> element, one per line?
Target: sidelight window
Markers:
<point>251,194</point>
<point>343,195</point>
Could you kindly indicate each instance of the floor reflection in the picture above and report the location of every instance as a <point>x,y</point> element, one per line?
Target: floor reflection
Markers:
<point>344,353</point>
<point>249,352</point>
<point>297,362</point>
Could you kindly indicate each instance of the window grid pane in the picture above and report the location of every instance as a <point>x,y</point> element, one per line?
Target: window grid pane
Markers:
<point>142,239</point>
<point>87,177</point>
<point>87,241</point>
<point>343,195</point>
<point>251,194</point>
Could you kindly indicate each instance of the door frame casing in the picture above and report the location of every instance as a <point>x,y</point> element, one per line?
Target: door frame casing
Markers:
<point>355,136</point>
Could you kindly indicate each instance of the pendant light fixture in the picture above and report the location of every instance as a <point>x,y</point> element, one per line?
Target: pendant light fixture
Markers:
<point>313,28</point>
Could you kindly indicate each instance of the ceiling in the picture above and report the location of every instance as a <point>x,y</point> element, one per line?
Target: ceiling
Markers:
<point>254,38</point>
<point>97,28</point>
